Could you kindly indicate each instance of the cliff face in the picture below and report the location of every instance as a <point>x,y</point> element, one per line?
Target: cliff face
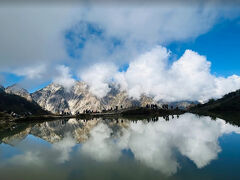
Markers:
<point>57,99</point>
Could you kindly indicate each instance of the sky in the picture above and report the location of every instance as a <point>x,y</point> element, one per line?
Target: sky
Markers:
<point>170,51</point>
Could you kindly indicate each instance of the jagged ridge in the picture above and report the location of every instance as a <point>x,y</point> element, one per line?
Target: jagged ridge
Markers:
<point>57,99</point>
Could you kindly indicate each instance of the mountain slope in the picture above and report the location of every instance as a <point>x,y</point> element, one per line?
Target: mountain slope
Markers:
<point>13,103</point>
<point>228,103</point>
<point>51,98</point>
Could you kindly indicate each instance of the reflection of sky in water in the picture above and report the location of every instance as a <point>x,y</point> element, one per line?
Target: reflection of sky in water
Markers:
<point>158,145</point>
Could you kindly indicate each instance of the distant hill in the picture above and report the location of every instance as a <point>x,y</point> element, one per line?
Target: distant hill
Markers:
<point>10,103</point>
<point>228,103</point>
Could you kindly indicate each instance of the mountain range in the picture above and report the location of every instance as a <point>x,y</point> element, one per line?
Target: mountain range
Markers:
<point>58,100</point>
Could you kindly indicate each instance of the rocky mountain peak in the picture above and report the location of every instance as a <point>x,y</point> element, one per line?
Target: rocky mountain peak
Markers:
<point>53,87</point>
<point>57,99</point>
<point>18,90</point>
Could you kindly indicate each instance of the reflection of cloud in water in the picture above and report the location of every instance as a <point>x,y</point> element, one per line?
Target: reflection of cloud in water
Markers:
<point>100,145</point>
<point>64,147</point>
<point>40,155</point>
<point>154,143</point>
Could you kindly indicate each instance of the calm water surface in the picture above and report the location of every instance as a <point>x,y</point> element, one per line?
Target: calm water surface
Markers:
<point>184,147</point>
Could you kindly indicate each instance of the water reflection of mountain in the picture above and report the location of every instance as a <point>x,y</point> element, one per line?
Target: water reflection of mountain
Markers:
<point>155,143</point>
<point>10,134</point>
<point>55,131</point>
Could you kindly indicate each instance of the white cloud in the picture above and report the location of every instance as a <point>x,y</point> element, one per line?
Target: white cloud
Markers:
<point>63,77</point>
<point>139,29</point>
<point>119,33</point>
<point>144,73</point>
<point>188,78</point>
<point>33,42</point>
<point>31,72</point>
<point>98,77</point>
<point>151,24</point>
<point>32,34</point>
<point>226,85</point>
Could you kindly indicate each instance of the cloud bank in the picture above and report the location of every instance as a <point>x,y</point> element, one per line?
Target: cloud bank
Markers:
<point>152,74</point>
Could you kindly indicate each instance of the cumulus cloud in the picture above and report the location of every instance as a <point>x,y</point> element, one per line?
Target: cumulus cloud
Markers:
<point>144,73</point>
<point>63,77</point>
<point>188,78</point>
<point>119,35</point>
<point>98,77</point>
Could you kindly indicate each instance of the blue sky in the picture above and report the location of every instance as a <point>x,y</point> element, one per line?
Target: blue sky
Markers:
<point>221,45</point>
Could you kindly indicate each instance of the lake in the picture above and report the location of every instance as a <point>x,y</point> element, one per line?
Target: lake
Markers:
<point>181,147</point>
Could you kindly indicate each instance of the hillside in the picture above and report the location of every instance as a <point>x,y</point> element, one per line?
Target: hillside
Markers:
<point>10,103</point>
<point>228,103</point>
